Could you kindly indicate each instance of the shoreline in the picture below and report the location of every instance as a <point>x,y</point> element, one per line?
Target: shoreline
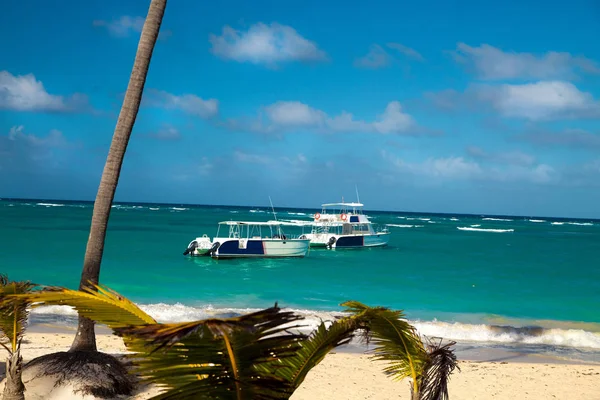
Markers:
<point>347,375</point>
<point>465,351</point>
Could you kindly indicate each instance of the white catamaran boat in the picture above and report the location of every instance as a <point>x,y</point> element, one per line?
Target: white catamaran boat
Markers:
<point>343,225</point>
<point>250,240</point>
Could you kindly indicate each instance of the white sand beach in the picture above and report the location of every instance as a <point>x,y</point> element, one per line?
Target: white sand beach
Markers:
<point>347,376</point>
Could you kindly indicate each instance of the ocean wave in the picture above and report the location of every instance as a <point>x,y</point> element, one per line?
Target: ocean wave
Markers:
<point>469,228</point>
<point>577,338</point>
<point>431,222</point>
<point>496,219</point>
<point>581,223</point>
<point>537,220</point>
<point>557,223</point>
<point>461,332</point>
<point>475,225</point>
<point>404,226</point>
<point>296,213</point>
<point>256,211</point>
<point>454,219</point>
<point>179,209</point>
<point>50,204</point>
<point>154,208</point>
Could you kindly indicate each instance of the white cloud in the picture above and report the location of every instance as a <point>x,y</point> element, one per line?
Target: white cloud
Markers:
<point>288,115</point>
<point>25,93</point>
<point>294,113</point>
<point>393,120</point>
<point>378,57</point>
<point>459,168</point>
<point>188,103</point>
<point>543,100</point>
<point>122,26</point>
<point>538,101</point>
<point>54,138</point>
<point>407,51</point>
<point>491,63</point>
<point>265,44</point>
<point>166,133</point>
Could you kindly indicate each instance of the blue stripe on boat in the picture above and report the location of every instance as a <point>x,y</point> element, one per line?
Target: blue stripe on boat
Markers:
<point>232,247</point>
<point>350,241</point>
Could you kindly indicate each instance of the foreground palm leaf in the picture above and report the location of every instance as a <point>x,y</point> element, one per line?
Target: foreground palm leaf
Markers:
<point>396,341</point>
<point>13,320</point>
<point>234,358</point>
<point>13,312</point>
<point>441,362</point>
<point>314,349</point>
<point>104,306</point>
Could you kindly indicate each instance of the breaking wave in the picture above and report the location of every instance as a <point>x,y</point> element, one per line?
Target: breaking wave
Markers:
<point>404,226</point>
<point>496,219</point>
<point>461,332</point>
<point>50,204</point>
<point>537,220</point>
<point>468,228</point>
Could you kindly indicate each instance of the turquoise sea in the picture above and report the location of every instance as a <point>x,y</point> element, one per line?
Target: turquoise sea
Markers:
<point>530,284</point>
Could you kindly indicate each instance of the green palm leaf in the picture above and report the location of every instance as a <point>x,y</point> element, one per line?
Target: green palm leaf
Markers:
<point>216,358</point>
<point>441,362</point>
<point>396,341</point>
<point>104,306</point>
<point>13,311</point>
<point>294,369</point>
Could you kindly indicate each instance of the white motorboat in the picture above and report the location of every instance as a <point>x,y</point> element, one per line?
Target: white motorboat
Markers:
<point>343,225</point>
<point>249,240</point>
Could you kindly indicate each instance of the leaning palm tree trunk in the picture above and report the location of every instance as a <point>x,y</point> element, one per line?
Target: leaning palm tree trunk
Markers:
<point>86,339</point>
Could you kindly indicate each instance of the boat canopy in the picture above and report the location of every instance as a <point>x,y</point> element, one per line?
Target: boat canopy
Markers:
<point>342,205</point>
<point>272,223</point>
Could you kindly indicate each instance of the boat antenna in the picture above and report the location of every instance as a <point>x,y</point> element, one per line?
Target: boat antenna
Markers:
<point>273,208</point>
<point>357,198</point>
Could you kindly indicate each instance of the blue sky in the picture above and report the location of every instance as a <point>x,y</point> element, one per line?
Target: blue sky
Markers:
<point>429,106</point>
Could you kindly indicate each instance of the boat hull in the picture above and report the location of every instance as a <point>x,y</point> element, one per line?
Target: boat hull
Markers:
<point>350,241</point>
<point>260,248</point>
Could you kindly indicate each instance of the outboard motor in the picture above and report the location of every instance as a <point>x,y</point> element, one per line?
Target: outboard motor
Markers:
<point>191,247</point>
<point>213,248</point>
<point>331,242</point>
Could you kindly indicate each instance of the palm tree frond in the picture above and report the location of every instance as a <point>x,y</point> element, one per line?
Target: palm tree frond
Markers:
<point>218,358</point>
<point>441,362</point>
<point>396,341</point>
<point>13,311</point>
<point>294,369</point>
<point>104,306</point>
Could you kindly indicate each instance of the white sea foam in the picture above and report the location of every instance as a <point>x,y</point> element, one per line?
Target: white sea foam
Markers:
<point>424,219</point>
<point>476,225</point>
<point>461,332</point>
<point>50,204</point>
<point>581,223</point>
<point>431,222</point>
<point>179,209</point>
<point>496,219</point>
<point>507,334</point>
<point>537,220</point>
<point>454,219</point>
<point>296,213</point>
<point>404,226</point>
<point>401,217</point>
<point>557,223</point>
<point>256,211</point>
<point>154,208</point>
<point>468,228</point>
